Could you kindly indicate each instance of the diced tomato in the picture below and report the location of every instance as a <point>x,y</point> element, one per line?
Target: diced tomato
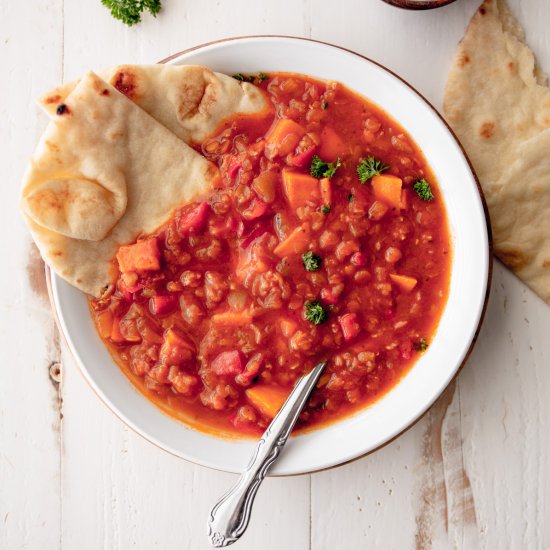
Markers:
<point>194,220</point>
<point>359,259</point>
<point>349,325</point>
<point>303,159</point>
<point>234,166</point>
<point>163,304</point>
<point>328,297</point>
<point>139,257</point>
<point>228,363</point>
<point>256,209</point>
<point>332,146</point>
<point>252,235</point>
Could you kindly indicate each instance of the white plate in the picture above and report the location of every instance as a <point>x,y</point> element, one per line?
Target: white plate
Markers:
<point>377,424</point>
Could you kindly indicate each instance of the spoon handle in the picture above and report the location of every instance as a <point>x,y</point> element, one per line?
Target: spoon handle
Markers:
<point>229,517</point>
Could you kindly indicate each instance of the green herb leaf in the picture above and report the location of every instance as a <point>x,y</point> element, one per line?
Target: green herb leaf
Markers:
<point>370,167</point>
<point>423,190</point>
<point>421,345</point>
<point>315,313</point>
<point>320,169</point>
<point>243,78</point>
<point>312,262</point>
<point>129,11</point>
<point>324,105</point>
<point>262,77</point>
<point>325,209</point>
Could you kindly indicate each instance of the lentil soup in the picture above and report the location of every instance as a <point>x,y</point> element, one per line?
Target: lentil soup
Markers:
<point>326,238</point>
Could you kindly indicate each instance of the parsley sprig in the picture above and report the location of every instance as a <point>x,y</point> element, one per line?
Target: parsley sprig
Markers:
<point>312,262</point>
<point>129,11</point>
<point>423,190</point>
<point>321,169</point>
<point>315,313</point>
<point>370,167</point>
<point>260,77</point>
<point>421,345</point>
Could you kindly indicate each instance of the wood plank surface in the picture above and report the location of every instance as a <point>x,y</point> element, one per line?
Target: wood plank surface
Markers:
<point>471,474</point>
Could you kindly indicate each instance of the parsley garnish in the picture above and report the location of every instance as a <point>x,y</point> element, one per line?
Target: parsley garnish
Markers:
<point>369,168</point>
<point>324,105</point>
<point>421,345</point>
<point>315,313</point>
<point>250,78</point>
<point>320,169</point>
<point>325,209</point>
<point>423,190</point>
<point>129,11</point>
<point>312,262</point>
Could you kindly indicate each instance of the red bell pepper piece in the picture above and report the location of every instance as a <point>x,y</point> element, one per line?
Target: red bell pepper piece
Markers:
<point>256,209</point>
<point>234,166</point>
<point>258,231</point>
<point>194,220</point>
<point>163,304</point>
<point>349,325</point>
<point>359,259</point>
<point>328,297</point>
<point>301,160</point>
<point>228,363</point>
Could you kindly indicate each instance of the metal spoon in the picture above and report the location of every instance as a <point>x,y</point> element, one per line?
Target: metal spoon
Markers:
<point>229,517</point>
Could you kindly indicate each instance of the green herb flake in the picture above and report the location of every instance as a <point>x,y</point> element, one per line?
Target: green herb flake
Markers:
<point>370,167</point>
<point>350,197</point>
<point>312,262</point>
<point>325,209</point>
<point>324,105</point>
<point>421,345</point>
<point>315,313</point>
<point>262,77</point>
<point>423,190</point>
<point>321,169</point>
<point>129,11</point>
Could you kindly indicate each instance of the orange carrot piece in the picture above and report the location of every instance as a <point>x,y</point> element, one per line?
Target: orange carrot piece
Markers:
<point>267,399</point>
<point>406,284</point>
<point>326,191</point>
<point>141,256</point>
<point>332,146</point>
<point>387,188</point>
<point>295,243</point>
<point>285,133</point>
<point>232,318</point>
<point>300,189</point>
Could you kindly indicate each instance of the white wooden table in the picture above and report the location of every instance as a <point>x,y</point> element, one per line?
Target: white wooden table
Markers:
<point>473,473</point>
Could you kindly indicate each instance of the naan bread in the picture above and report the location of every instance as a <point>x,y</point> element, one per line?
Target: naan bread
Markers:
<point>189,100</point>
<point>498,104</point>
<point>104,172</point>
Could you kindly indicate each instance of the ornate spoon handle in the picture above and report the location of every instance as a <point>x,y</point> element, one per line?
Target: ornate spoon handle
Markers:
<point>229,517</point>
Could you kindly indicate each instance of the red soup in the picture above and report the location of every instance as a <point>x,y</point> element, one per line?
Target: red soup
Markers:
<point>327,239</point>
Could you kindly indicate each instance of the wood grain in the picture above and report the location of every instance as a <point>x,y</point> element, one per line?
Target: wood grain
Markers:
<point>471,474</point>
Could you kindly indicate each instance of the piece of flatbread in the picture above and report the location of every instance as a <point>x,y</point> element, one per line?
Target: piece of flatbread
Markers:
<point>105,160</point>
<point>191,101</point>
<point>498,104</point>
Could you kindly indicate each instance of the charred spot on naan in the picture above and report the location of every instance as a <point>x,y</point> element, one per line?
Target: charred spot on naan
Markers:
<point>546,262</point>
<point>515,259</point>
<point>126,81</point>
<point>62,109</point>
<point>463,59</point>
<point>51,99</point>
<point>487,130</point>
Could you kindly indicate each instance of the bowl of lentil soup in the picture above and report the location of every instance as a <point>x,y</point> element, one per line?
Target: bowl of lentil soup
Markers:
<point>338,231</point>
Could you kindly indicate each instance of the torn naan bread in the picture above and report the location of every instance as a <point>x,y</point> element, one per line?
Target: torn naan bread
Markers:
<point>498,104</point>
<point>190,100</point>
<point>104,172</point>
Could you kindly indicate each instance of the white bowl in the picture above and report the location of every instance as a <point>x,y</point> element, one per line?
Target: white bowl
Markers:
<point>372,427</point>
